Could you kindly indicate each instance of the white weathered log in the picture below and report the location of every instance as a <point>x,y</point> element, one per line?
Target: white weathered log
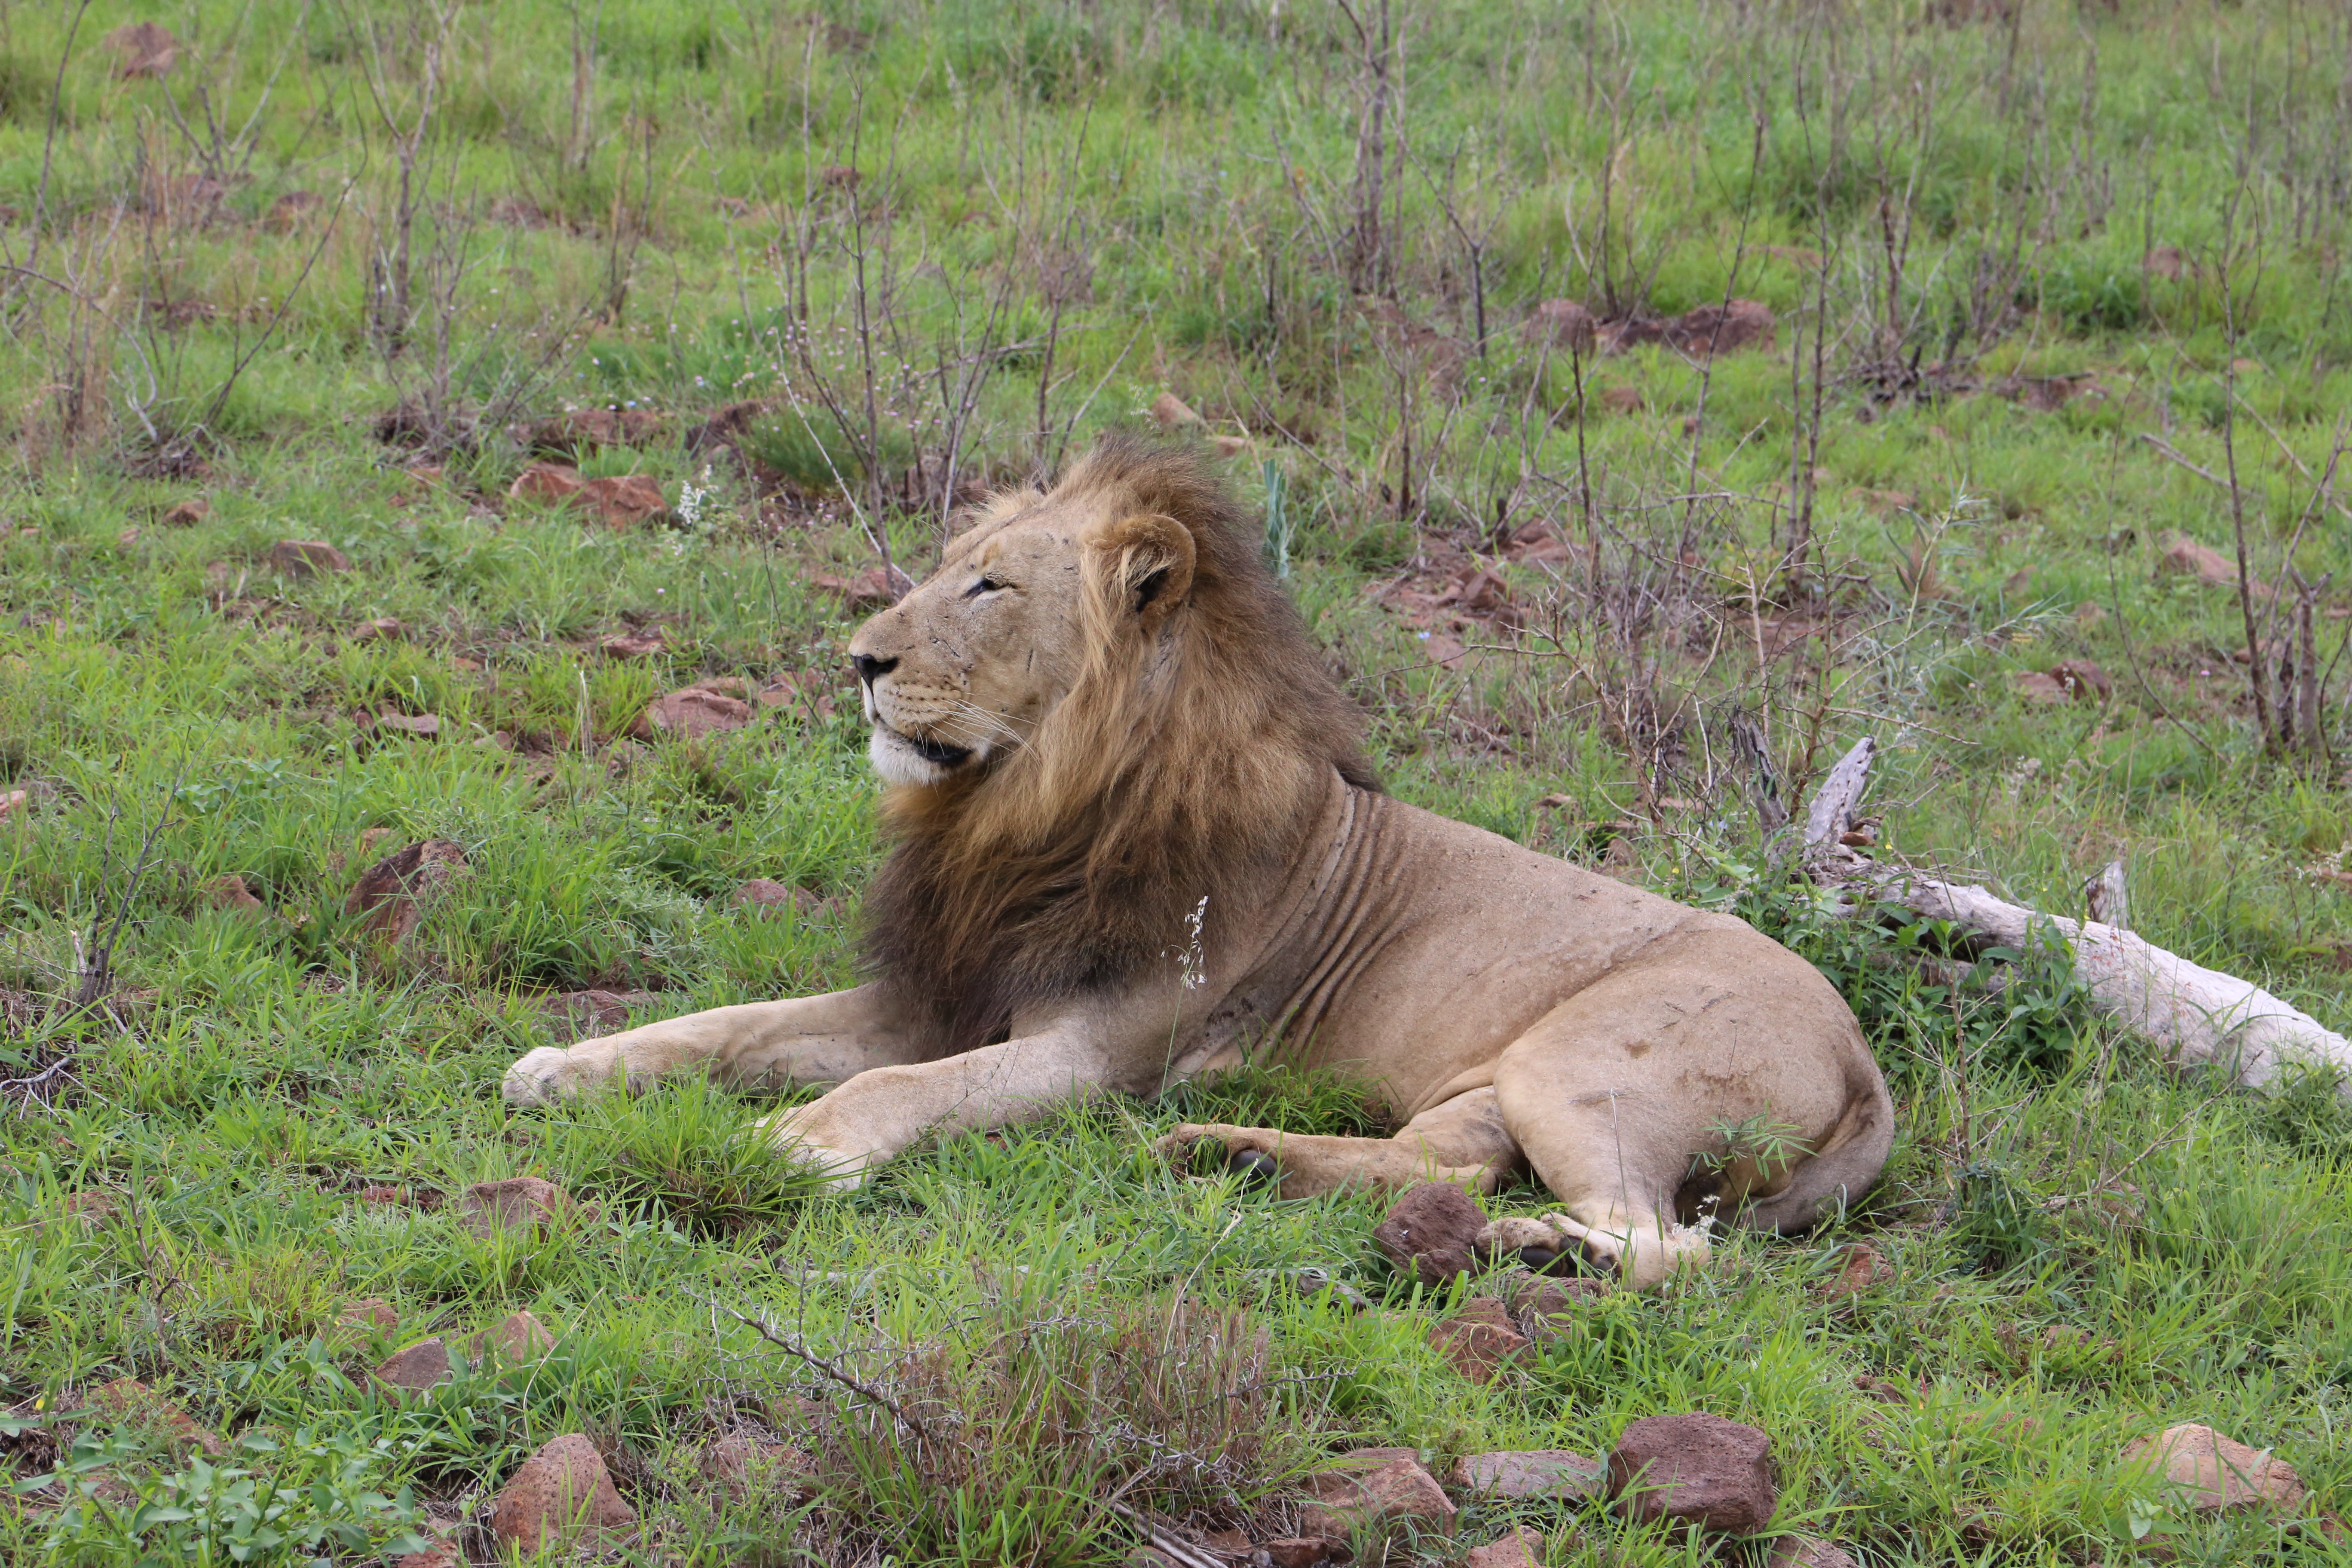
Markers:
<point>1831,815</point>
<point>2195,1015</point>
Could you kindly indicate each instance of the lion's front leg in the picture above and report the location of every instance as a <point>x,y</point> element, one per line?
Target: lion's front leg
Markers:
<point>804,1039</point>
<point>879,1113</point>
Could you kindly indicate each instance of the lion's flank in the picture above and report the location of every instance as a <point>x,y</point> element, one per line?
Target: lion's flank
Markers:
<point>1182,766</point>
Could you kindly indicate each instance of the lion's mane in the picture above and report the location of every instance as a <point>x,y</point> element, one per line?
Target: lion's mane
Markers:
<point>1185,767</point>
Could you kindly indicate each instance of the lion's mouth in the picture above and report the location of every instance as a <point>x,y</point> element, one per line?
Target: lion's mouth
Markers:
<point>939,753</point>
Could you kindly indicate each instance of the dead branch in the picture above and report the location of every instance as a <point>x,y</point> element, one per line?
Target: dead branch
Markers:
<point>2196,1016</point>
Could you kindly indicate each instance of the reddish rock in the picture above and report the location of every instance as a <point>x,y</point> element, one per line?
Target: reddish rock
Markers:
<point>546,482</point>
<point>423,1365</point>
<point>797,689</point>
<point>386,1194</point>
<point>127,1399</point>
<point>516,1336</point>
<point>370,1315</point>
<point>1514,1474</point>
<point>229,892</point>
<point>580,428</point>
<point>2185,557</point>
<point>2036,686</point>
<point>1564,325</point>
<point>1522,1548</point>
<point>1170,413</point>
<point>692,713</point>
<point>594,1013</point>
<point>2211,1472</point>
<point>1860,1268</point>
<point>1711,1474</point>
<point>13,800</point>
<point>1431,1233</point>
<point>144,49</point>
<point>872,589</point>
<point>519,1202</point>
<point>624,501</point>
<point>424,726</point>
<point>188,512</point>
<point>1354,1502</point>
<point>391,893</point>
<point>1620,399</point>
<point>287,212</point>
<point>1807,1552</point>
<point>562,1494</point>
<point>1545,1310</point>
<point>382,626</point>
<point>1479,1340</point>
<point>762,893</point>
<point>633,645</point>
<point>433,1557</point>
<point>1723,329</point>
<point>307,557</point>
<point>1298,1551</point>
<point>2084,681</point>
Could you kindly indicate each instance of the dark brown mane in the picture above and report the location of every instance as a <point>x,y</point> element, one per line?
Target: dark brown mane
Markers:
<point>1078,861</point>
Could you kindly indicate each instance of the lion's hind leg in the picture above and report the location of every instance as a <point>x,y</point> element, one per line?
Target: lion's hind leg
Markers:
<point>1462,1141</point>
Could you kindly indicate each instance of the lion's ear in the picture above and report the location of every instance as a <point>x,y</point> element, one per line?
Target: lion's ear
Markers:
<point>1144,564</point>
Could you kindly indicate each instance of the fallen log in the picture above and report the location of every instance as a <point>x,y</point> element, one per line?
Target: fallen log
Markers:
<point>2196,1016</point>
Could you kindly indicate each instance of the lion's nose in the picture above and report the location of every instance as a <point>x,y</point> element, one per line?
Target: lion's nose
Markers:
<point>868,666</point>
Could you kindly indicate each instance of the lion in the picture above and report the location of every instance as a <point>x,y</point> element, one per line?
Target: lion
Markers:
<point>1137,840</point>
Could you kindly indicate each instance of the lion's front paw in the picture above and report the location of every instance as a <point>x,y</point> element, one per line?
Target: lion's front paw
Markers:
<point>1250,1152</point>
<point>541,1078</point>
<point>793,1134</point>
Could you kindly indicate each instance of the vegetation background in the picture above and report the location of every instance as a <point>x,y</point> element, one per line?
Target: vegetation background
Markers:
<point>2054,288</point>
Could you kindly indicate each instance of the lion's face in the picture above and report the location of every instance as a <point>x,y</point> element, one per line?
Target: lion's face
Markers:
<point>964,669</point>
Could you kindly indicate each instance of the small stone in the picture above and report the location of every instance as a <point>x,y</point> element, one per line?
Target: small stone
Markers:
<point>1564,325</point>
<point>1479,1340</point>
<point>391,893</point>
<point>188,512</point>
<point>624,501</point>
<point>1711,1474</point>
<point>127,539</point>
<point>1860,1268</point>
<point>2167,261</point>
<point>2211,1473</point>
<point>15,800</point>
<point>692,713</point>
<point>589,428</point>
<point>1170,413</point>
<point>2084,681</point>
<point>385,1195</point>
<point>1298,1551</point>
<point>144,49</point>
<point>2185,557</point>
<point>764,893</point>
<point>516,1336</point>
<point>1429,1233</point>
<point>305,557</point>
<point>548,482</point>
<point>2036,686</point>
<point>515,1203</point>
<point>1522,1548</point>
<point>287,213</point>
<point>1352,1502</point>
<point>740,1467</point>
<point>1807,1552</point>
<point>128,1400</point>
<point>1620,399</point>
<point>560,1495</point>
<point>633,645</point>
<point>229,892</point>
<point>436,1557</point>
<point>594,1013</point>
<point>382,626</point>
<point>372,1315</point>
<point>1545,1310</point>
<point>872,589</point>
<point>424,726</point>
<point>1707,330</point>
<point>423,1365</point>
<point>1514,1475</point>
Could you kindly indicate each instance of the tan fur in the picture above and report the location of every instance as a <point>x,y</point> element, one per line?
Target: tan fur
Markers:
<point>1136,839</point>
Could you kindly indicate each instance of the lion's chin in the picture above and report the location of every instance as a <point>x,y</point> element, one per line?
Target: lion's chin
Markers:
<point>901,760</point>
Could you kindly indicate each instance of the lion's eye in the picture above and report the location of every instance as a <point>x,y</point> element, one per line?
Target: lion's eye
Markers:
<point>985,586</point>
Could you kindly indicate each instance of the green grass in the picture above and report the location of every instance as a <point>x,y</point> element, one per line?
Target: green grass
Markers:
<point>1106,202</point>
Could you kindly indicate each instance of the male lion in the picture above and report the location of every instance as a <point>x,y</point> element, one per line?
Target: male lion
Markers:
<point>1136,838</point>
